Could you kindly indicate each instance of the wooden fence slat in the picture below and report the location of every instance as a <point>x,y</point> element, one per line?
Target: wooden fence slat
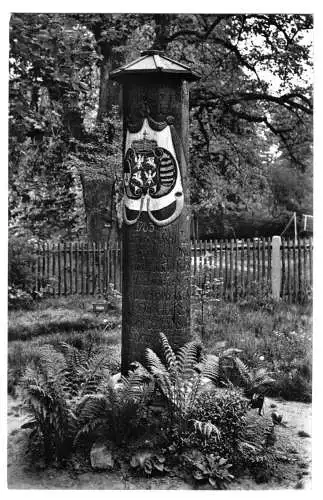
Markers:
<point>307,271</point>
<point>269,259</point>
<point>248,266</point>
<point>65,267</point>
<point>283,259</point>
<point>205,260</point>
<point>47,262</point>
<point>253,263</point>
<point>231,269</point>
<point>76,264</point>
<point>54,268</point>
<point>212,262</point>
<point>43,264</point>
<point>263,258</point>
<point>82,266</point>
<point>236,278</point>
<point>195,256</point>
<point>59,268</point>
<point>104,268</point>
<point>36,267</point>
<point>93,250</point>
<point>294,271</point>
<point>299,258</point>
<point>87,274</point>
<point>311,259</point>
<point>220,273</point>
<point>71,274</point>
<point>242,269</point>
<point>289,259</point>
<point>226,266</point>
<point>115,260</point>
<point>258,260</point>
<point>99,266</point>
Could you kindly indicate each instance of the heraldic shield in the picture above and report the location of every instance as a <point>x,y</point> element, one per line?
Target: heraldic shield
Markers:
<point>152,177</point>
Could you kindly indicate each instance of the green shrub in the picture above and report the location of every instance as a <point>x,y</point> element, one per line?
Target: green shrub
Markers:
<point>226,409</point>
<point>21,278</point>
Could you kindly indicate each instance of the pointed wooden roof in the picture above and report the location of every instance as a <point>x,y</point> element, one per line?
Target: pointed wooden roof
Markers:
<point>154,61</point>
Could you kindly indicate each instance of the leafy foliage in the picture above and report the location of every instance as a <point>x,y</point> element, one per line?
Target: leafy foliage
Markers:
<point>148,462</point>
<point>45,386</point>
<point>177,380</point>
<point>256,381</point>
<point>117,412</point>
<point>21,260</point>
<point>211,468</point>
<point>225,409</point>
<point>53,384</point>
<point>251,116</point>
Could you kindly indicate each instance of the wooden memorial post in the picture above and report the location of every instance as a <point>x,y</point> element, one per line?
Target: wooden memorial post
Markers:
<point>156,216</point>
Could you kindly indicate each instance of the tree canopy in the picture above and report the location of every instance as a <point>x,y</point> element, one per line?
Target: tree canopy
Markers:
<point>250,118</point>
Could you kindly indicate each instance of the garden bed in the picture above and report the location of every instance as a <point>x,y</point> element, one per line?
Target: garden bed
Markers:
<point>254,330</point>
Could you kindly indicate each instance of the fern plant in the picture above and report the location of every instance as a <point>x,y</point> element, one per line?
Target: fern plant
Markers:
<point>116,411</point>
<point>176,379</point>
<point>85,370</point>
<point>45,388</point>
<point>253,381</point>
<point>53,385</point>
<point>179,382</point>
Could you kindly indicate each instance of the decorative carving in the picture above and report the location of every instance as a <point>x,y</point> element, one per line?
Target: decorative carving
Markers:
<point>152,178</point>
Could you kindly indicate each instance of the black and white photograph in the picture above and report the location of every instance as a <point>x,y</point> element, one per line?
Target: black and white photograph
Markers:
<point>160,250</point>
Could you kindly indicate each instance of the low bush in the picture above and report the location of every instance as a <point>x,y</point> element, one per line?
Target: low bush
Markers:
<point>75,403</point>
<point>226,409</point>
<point>21,278</point>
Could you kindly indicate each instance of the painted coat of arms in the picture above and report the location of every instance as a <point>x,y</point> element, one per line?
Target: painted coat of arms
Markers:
<point>152,180</point>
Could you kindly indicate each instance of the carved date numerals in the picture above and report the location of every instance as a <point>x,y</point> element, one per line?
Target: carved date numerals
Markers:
<point>144,227</point>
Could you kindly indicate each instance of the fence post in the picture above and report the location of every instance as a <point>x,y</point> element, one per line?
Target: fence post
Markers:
<point>275,267</point>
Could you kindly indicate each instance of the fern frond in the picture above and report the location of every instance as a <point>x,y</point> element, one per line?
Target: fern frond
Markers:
<point>206,429</point>
<point>187,358</point>
<point>194,392</point>
<point>243,371</point>
<point>73,356</point>
<point>154,363</point>
<point>211,369</point>
<point>91,406</point>
<point>232,351</point>
<point>89,427</point>
<point>168,352</point>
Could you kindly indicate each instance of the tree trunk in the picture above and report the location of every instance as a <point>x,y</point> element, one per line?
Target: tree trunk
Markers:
<point>99,184</point>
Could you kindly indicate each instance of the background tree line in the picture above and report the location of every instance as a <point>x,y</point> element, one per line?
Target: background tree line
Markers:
<point>250,119</point>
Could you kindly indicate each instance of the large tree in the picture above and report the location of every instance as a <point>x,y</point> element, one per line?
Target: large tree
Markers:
<point>251,112</point>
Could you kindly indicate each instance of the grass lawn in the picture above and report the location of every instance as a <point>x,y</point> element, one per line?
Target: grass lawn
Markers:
<point>275,336</point>
<point>69,320</point>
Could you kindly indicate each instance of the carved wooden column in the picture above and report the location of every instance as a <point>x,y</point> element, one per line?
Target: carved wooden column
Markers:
<point>156,217</point>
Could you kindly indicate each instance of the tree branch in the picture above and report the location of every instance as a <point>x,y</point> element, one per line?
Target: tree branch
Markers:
<point>285,99</point>
<point>278,132</point>
<point>198,34</point>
